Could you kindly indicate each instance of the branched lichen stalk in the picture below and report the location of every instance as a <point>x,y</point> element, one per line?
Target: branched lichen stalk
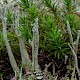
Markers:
<point>10,53</point>
<point>74,48</point>
<point>26,62</point>
<point>35,43</point>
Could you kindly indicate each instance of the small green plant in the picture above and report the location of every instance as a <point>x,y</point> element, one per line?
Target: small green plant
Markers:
<point>57,45</point>
<point>25,4</point>
<point>52,6</point>
<point>55,42</point>
<point>26,31</point>
<point>32,12</point>
<point>68,4</point>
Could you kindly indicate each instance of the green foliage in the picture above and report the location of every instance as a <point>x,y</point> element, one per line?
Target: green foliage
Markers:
<point>26,32</point>
<point>9,15</point>
<point>48,3</point>
<point>69,5</point>
<point>57,45</point>
<point>48,21</point>
<point>68,2</point>
<point>53,38</point>
<point>51,5</point>
<point>32,12</point>
<point>74,23</point>
<point>1,41</point>
<point>25,29</point>
<point>51,26</point>
<point>55,11</point>
<point>71,19</point>
<point>25,4</point>
<point>26,20</point>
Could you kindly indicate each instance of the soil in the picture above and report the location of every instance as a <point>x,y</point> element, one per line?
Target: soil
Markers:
<point>7,72</point>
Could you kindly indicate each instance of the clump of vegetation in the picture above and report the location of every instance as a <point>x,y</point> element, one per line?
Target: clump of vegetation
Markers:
<point>35,38</point>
